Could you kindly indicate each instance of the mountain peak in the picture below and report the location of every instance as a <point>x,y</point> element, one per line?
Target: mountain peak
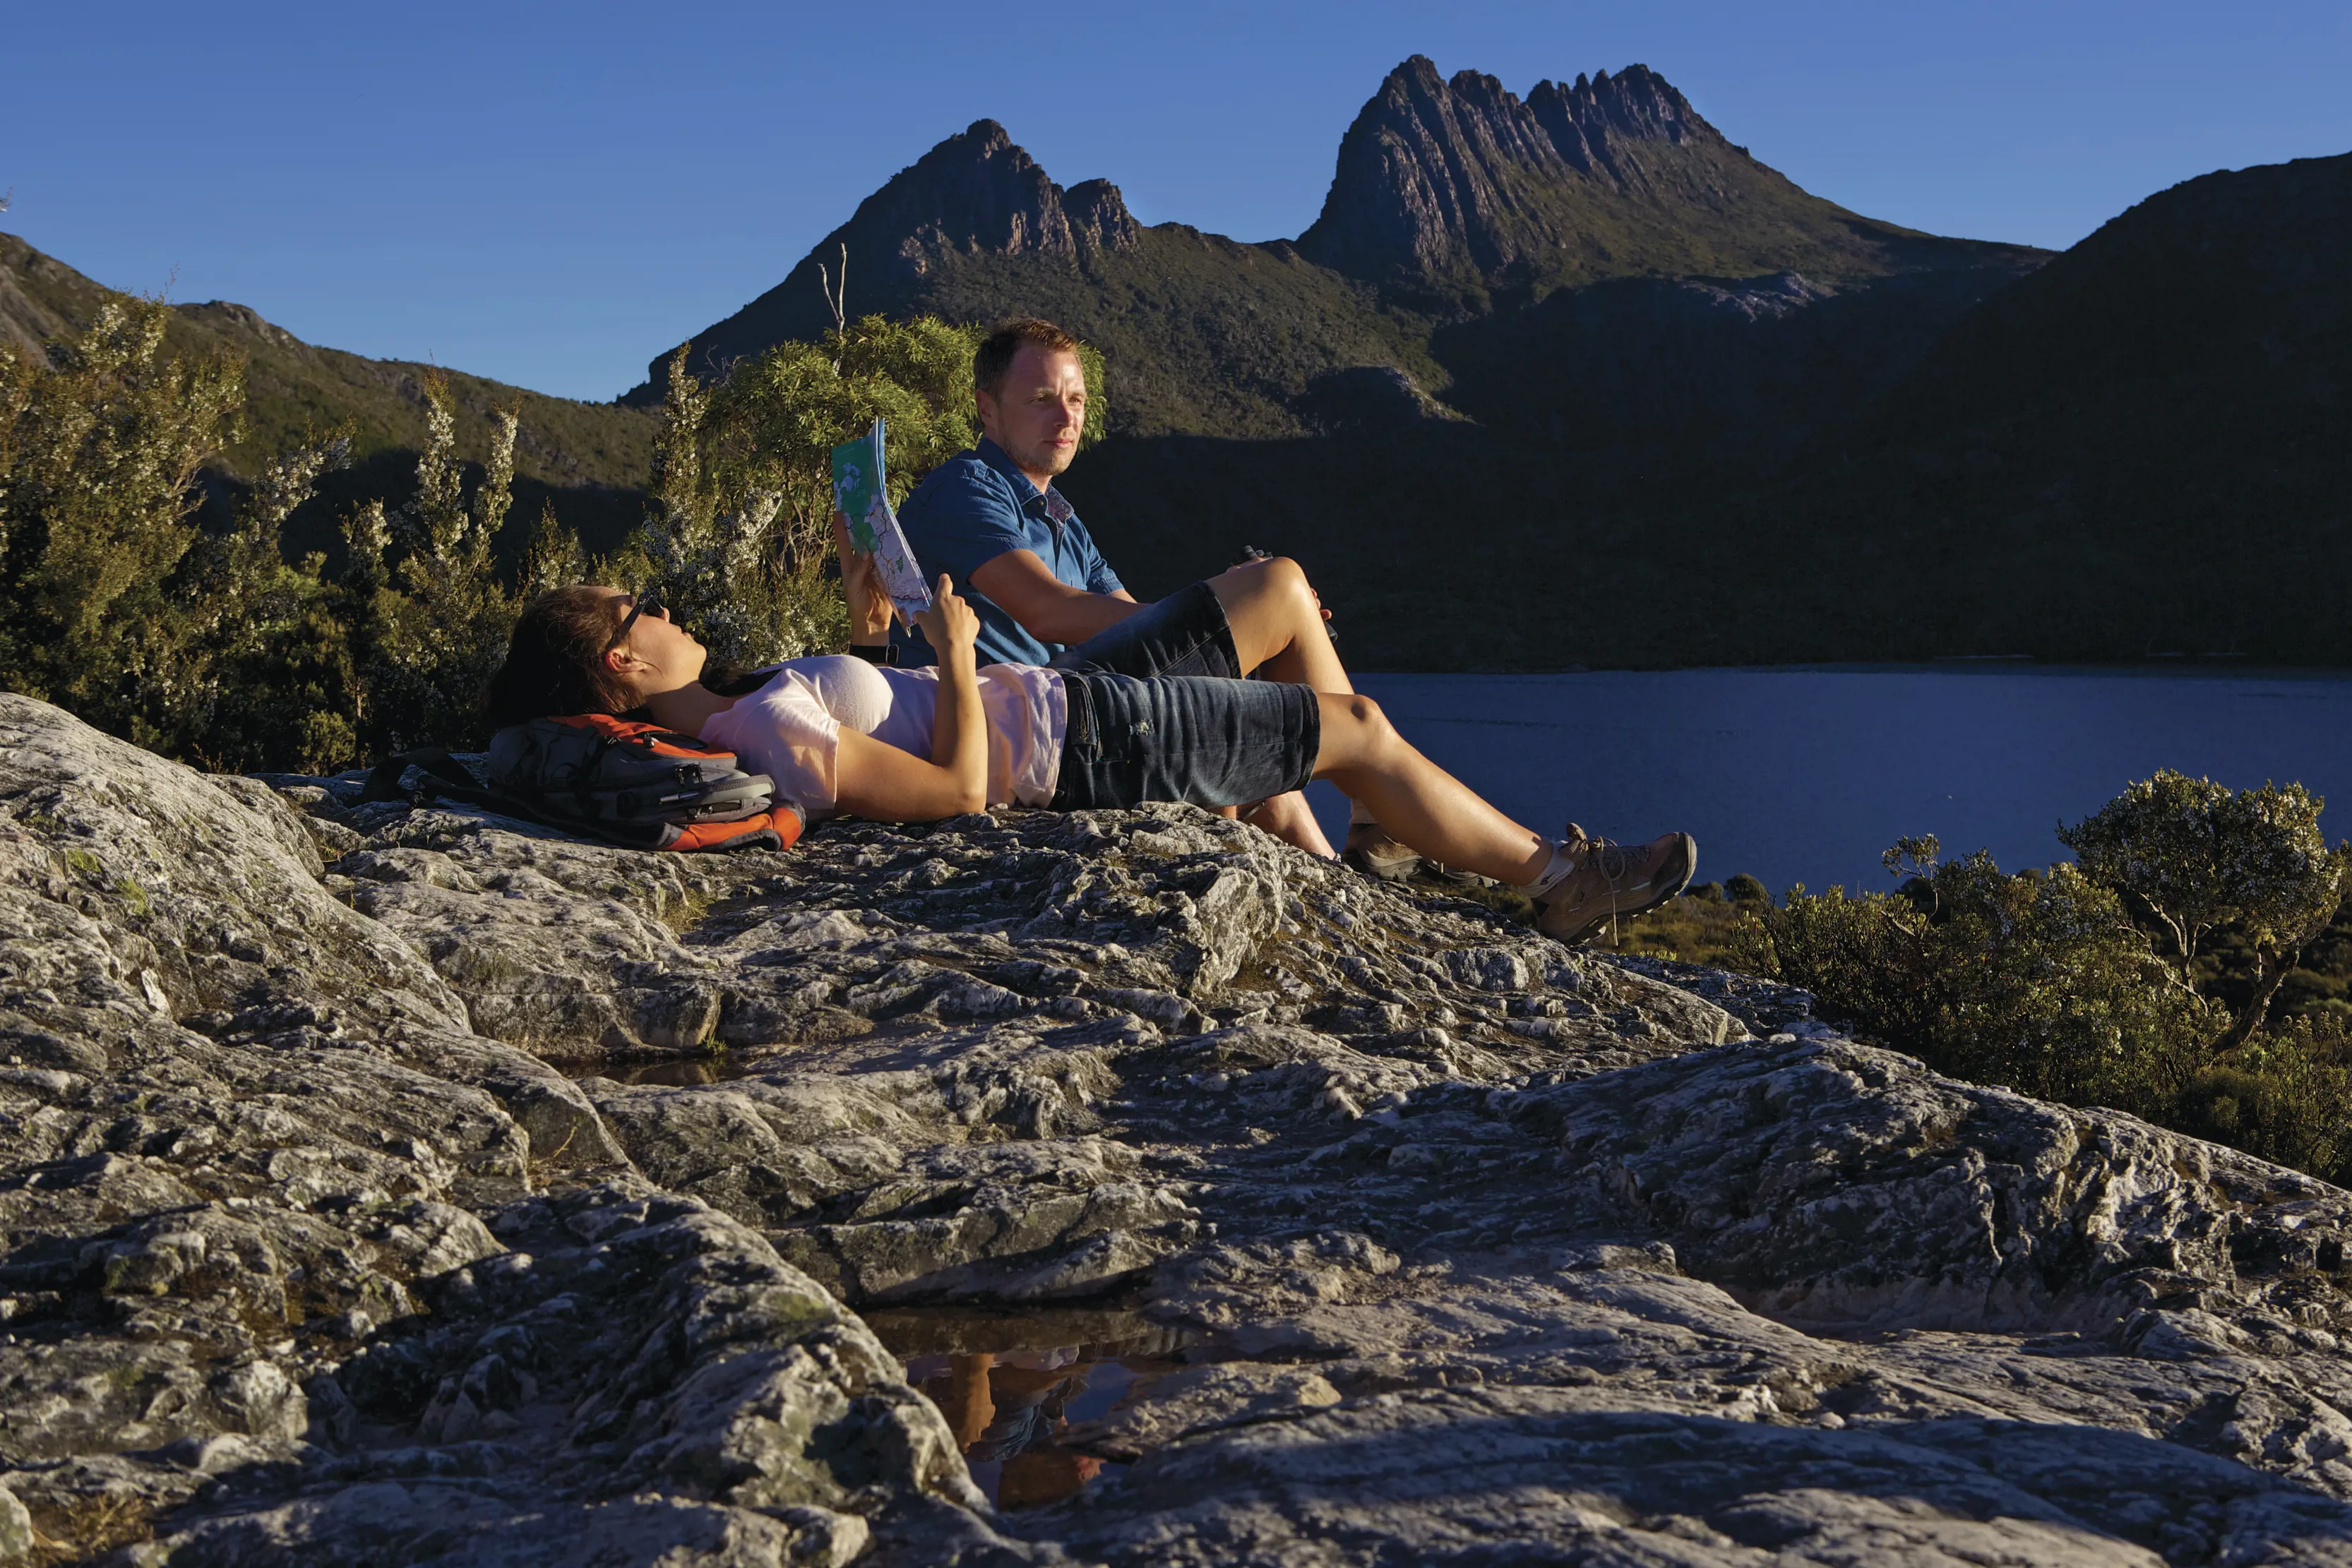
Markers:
<point>1443,176</point>
<point>977,192</point>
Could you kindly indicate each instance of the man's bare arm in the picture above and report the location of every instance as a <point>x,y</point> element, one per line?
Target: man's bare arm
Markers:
<point>1047,608</point>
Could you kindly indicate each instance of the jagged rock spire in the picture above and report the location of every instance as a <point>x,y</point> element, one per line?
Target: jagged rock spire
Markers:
<point>978,191</point>
<point>1437,175</point>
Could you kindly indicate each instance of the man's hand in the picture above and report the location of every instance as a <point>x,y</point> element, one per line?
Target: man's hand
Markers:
<point>870,610</point>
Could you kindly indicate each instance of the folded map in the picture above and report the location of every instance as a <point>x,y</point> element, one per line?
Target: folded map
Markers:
<point>860,496</point>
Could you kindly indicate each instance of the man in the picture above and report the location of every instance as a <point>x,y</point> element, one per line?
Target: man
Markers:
<point>992,520</point>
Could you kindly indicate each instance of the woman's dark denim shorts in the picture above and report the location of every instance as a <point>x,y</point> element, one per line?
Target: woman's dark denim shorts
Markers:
<point>1158,711</point>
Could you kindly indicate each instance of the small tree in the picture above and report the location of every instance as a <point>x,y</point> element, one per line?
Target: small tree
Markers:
<point>738,537</point>
<point>100,441</point>
<point>435,621</point>
<point>774,424</point>
<point>711,548</point>
<point>2196,856</point>
<point>263,678</point>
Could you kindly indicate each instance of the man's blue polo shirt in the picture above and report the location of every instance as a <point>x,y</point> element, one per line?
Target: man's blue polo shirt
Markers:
<point>973,508</point>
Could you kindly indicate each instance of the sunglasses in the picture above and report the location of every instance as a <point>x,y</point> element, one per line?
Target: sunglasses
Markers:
<point>649,600</point>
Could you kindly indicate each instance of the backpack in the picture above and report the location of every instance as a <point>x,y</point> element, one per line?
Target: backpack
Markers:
<point>629,783</point>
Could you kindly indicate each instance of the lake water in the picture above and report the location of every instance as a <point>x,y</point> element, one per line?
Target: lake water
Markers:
<point>1806,775</point>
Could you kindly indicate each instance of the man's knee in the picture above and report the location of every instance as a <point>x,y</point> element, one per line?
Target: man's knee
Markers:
<point>1271,577</point>
<point>1286,576</point>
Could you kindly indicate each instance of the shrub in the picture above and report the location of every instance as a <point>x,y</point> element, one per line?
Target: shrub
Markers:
<point>2286,1096</point>
<point>429,618</point>
<point>2038,983</point>
<point>100,444</point>
<point>2196,856</point>
<point>710,543</point>
<point>264,677</point>
<point>214,647</point>
<point>2045,982</point>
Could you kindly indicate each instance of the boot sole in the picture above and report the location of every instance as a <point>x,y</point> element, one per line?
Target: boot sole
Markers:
<point>1398,870</point>
<point>1671,881</point>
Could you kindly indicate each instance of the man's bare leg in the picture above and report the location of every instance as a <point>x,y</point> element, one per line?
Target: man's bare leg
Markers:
<point>1278,631</point>
<point>1290,819</point>
<point>1424,806</point>
<point>1277,624</point>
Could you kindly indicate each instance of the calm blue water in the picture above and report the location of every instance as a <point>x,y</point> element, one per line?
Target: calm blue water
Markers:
<point>1805,775</point>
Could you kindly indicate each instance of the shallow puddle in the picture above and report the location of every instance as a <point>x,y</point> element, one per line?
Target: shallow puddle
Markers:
<point>1013,1386</point>
<point>867,1046</point>
<point>678,1072</point>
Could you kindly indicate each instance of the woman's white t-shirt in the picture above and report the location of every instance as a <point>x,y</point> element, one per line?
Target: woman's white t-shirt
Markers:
<point>790,730</point>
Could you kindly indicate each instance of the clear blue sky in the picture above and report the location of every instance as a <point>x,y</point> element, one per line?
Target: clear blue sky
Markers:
<point>553,195</point>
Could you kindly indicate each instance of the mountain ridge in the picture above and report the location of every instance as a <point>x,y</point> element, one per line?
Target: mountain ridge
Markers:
<point>2134,450</point>
<point>1450,200</point>
<point>1439,178</point>
<point>2134,453</point>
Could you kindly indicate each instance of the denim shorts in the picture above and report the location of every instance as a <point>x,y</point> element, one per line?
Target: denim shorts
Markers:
<point>1211,740</point>
<point>1183,635</point>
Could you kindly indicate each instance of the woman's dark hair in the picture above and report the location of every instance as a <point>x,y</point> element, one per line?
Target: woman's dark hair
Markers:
<point>555,661</point>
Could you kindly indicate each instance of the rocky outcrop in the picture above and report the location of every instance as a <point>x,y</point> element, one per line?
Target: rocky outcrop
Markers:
<point>397,1182</point>
<point>977,191</point>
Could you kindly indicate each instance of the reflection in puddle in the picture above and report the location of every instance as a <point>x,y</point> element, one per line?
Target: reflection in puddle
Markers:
<point>681,1073</point>
<point>1012,1403</point>
<point>672,1071</point>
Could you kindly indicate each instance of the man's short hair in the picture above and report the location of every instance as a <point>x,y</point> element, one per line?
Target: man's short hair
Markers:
<point>995,357</point>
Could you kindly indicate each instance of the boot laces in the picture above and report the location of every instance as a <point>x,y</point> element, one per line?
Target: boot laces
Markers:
<point>1614,863</point>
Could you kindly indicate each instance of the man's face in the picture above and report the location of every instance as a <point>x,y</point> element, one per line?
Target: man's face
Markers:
<point>1036,413</point>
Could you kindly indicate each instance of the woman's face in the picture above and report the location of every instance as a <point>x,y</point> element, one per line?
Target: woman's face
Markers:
<point>657,655</point>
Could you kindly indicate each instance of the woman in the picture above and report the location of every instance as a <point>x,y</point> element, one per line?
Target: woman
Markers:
<point>839,735</point>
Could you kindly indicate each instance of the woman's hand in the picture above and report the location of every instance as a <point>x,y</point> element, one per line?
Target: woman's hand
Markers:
<point>949,622</point>
<point>870,608</point>
<point>893,786</point>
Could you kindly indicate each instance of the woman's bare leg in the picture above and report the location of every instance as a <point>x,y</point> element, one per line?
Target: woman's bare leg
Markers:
<point>1422,805</point>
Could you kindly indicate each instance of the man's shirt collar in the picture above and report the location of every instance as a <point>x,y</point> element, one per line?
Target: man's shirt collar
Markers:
<point>1048,501</point>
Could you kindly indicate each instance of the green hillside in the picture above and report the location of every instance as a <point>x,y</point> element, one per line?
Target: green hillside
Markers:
<point>1200,333</point>
<point>590,459</point>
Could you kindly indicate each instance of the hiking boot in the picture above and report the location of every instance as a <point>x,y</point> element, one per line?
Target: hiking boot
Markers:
<point>1370,850</point>
<point>1613,881</point>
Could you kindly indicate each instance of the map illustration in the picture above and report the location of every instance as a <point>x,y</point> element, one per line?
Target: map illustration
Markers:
<point>861,496</point>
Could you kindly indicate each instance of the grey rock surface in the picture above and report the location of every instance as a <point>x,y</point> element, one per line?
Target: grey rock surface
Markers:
<point>399,1183</point>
